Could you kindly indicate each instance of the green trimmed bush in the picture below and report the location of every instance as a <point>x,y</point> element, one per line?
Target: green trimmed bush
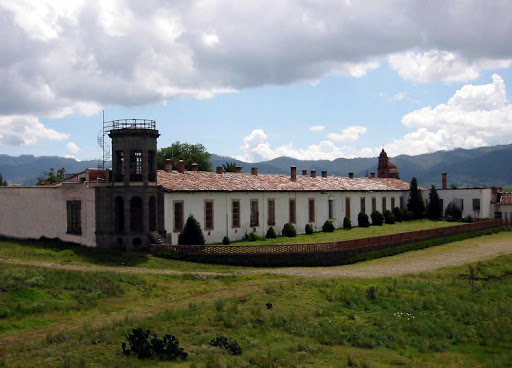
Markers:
<point>377,218</point>
<point>407,215</point>
<point>328,227</point>
<point>191,234</point>
<point>347,224</point>
<point>469,219</point>
<point>399,214</point>
<point>389,218</point>
<point>309,229</point>
<point>289,230</point>
<point>271,233</point>
<point>225,240</point>
<point>362,220</point>
<point>252,236</point>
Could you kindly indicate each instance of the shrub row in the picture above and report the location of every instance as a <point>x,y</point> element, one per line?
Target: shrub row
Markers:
<point>322,258</point>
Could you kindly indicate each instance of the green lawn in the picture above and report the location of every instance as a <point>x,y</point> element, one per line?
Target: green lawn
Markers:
<point>354,233</point>
<point>434,319</point>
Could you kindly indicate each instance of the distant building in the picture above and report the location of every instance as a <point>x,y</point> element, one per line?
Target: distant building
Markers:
<point>386,168</point>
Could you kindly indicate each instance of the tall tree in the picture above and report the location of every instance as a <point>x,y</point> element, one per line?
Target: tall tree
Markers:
<point>189,153</point>
<point>415,202</point>
<point>3,183</point>
<point>434,209</point>
<point>50,177</point>
<point>229,166</point>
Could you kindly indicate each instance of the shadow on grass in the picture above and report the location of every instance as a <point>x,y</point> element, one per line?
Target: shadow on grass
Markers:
<point>106,257</point>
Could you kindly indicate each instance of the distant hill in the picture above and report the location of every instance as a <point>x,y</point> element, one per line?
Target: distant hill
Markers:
<point>485,166</point>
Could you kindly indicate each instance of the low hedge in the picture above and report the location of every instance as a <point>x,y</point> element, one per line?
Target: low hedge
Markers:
<point>322,258</point>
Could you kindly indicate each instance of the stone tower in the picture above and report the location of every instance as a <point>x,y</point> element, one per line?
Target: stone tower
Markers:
<point>386,168</point>
<point>129,209</point>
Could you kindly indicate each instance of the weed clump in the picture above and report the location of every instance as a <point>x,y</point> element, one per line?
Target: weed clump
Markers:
<point>227,343</point>
<point>146,347</point>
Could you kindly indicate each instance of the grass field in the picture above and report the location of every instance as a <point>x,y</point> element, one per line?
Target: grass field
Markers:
<point>56,318</point>
<point>354,233</point>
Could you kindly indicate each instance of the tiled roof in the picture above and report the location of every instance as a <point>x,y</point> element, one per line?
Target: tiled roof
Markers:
<point>194,181</point>
<point>506,198</point>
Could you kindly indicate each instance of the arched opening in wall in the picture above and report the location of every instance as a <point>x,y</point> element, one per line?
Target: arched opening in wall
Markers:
<point>137,243</point>
<point>119,214</point>
<point>152,214</point>
<point>136,214</point>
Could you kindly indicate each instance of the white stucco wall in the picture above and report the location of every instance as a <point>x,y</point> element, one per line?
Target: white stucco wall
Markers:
<point>32,212</point>
<point>467,195</point>
<point>194,204</point>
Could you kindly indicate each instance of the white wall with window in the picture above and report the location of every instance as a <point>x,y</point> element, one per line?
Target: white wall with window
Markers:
<point>66,212</point>
<point>238,213</point>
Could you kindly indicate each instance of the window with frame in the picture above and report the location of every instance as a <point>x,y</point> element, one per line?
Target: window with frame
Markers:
<point>392,203</point>
<point>383,204</point>
<point>331,209</point>
<point>363,204</point>
<point>374,204</point>
<point>255,215</point>
<point>292,211</point>
<point>136,165</point>
<point>347,207</point>
<point>459,202</point>
<point>235,213</point>
<point>178,215</point>
<point>271,208</point>
<point>476,204</point>
<point>74,209</point>
<point>311,209</point>
<point>401,202</point>
<point>208,214</point>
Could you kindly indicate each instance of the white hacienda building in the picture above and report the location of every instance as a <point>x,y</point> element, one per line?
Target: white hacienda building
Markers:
<point>133,204</point>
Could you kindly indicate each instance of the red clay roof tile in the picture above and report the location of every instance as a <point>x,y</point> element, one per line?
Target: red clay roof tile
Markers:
<point>191,181</point>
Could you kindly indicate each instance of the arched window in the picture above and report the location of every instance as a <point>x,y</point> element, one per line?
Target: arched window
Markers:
<point>136,215</point>
<point>119,215</point>
<point>152,214</point>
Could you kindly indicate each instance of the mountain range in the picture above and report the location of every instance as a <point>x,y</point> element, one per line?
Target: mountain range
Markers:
<point>484,166</point>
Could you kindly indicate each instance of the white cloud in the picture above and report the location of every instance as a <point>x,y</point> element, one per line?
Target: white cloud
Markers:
<point>350,134</point>
<point>435,65</point>
<point>398,96</point>
<point>476,115</point>
<point>59,56</point>
<point>317,128</point>
<point>18,130</point>
<point>256,148</point>
<point>72,147</point>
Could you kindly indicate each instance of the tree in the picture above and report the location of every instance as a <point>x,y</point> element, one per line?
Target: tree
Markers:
<point>415,201</point>
<point>50,177</point>
<point>453,211</point>
<point>191,234</point>
<point>434,210</point>
<point>189,153</point>
<point>3,183</point>
<point>229,166</point>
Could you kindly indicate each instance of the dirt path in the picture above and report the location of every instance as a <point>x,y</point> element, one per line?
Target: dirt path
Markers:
<point>453,254</point>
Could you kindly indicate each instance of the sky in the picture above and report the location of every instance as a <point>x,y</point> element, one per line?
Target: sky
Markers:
<point>256,80</point>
